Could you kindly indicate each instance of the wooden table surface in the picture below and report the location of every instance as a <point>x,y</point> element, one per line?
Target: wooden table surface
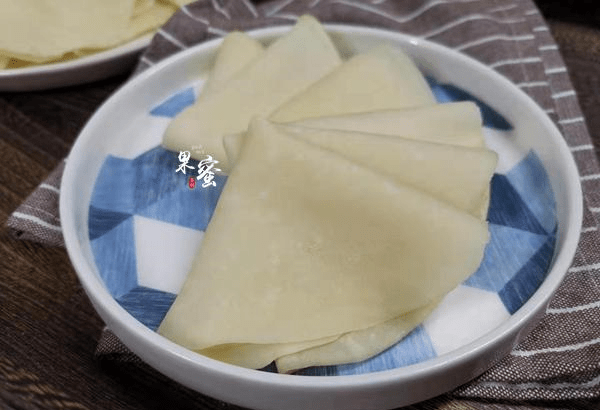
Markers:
<point>49,330</point>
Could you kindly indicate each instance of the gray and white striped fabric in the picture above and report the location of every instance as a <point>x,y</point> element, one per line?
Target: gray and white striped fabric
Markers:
<point>559,359</point>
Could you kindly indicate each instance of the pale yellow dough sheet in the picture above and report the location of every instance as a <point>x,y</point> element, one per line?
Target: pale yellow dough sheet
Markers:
<point>287,67</point>
<point>281,263</point>
<point>235,52</point>
<point>141,6</point>
<point>39,30</point>
<point>149,18</point>
<point>346,348</point>
<point>356,346</point>
<point>456,123</point>
<point>458,175</point>
<point>42,32</point>
<point>381,79</point>
<point>257,356</point>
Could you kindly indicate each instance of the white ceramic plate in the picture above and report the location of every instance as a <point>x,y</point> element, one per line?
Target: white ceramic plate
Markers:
<point>130,124</point>
<point>79,71</point>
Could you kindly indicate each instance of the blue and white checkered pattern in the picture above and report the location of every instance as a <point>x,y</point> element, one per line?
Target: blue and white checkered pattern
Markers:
<point>145,225</point>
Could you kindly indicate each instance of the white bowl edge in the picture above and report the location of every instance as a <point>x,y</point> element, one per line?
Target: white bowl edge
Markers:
<point>256,389</point>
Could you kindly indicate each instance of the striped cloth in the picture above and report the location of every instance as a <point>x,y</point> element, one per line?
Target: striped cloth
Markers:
<point>558,360</point>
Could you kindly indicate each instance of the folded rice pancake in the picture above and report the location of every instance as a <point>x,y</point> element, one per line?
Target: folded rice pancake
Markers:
<point>257,356</point>
<point>61,26</point>
<point>141,6</point>
<point>146,20</point>
<point>68,30</point>
<point>456,123</point>
<point>235,52</point>
<point>346,348</point>
<point>287,67</point>
<point>458,175</point>
<point>356,346</point>
<point>305,244</point>
<point>383,78</point>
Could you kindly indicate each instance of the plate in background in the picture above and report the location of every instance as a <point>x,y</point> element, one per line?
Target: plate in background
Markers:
<point>82,70</point>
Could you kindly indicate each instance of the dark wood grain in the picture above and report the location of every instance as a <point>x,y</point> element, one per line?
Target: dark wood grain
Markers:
<point>48,328</point>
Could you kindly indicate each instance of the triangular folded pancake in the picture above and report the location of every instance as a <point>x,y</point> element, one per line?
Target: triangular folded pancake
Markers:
<point>287,67</point>
<point>383,78</point>
<point>456,123</point>
<point>305,244</point>
<point>235,52</point>
<point>458,175</point>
